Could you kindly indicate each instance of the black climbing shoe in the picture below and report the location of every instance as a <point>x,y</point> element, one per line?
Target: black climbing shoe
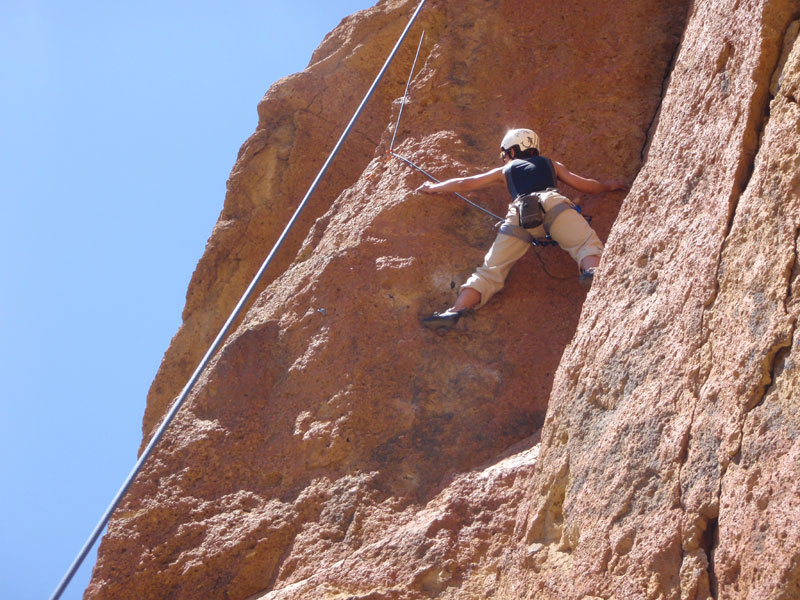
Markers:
<point>586,277</point>
<point>443,320</point>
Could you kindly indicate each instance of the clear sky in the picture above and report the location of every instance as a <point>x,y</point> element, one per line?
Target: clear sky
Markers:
<point>119,125</point>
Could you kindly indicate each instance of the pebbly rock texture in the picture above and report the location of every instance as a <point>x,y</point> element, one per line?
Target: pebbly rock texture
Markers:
<point>666,467</point>
<point>336,449</point>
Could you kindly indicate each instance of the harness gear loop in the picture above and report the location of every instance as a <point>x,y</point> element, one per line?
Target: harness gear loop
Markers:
<point>550,217</point>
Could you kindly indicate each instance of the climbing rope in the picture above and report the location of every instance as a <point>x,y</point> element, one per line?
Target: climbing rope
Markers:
<point>391,151</point>
<point>544,266</point>
<point>226,327</point>
<point>405,94</point>
<point>432,178</point>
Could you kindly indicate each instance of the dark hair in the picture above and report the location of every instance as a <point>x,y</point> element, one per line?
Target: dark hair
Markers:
<point>522,153</point>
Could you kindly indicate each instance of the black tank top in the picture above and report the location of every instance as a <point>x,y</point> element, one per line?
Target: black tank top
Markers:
<point>528,175</point>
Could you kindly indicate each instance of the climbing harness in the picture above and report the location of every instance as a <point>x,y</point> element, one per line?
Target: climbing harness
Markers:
<point>226,327</point>
<point>531,214</point>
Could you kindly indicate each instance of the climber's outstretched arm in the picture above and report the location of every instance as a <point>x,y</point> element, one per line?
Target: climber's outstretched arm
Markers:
<point>464,184</point>
<point>585,184</point>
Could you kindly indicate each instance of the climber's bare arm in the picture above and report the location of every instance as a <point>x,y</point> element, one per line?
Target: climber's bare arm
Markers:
<point>464,184</point>
<point>585,184</point>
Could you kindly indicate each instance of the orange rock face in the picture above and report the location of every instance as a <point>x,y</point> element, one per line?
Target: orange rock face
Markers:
<point>336,449</point>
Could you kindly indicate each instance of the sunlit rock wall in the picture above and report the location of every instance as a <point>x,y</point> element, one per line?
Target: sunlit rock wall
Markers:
<point>336,449</point>
<point>668,464</point>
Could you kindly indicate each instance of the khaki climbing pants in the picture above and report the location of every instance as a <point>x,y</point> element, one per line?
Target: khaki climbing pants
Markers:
<point>570,230</point>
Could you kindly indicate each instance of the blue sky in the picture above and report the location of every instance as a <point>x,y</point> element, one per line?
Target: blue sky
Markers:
<point>119,124</point>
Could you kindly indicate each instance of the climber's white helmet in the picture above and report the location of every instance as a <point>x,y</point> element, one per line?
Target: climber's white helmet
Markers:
<point>524,138</point>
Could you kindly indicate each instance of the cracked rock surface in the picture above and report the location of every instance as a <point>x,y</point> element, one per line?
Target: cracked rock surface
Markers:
<point>668,465</point>
<point>638,442</point>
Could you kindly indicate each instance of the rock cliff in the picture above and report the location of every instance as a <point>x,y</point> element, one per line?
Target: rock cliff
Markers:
<point>638,441</point>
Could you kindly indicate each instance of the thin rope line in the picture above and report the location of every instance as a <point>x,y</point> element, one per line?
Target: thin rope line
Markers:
<point>432,178</point>
<point>405,95</point>
<point>224,331</point>
<point>544,266</point>
<point>411,164</point>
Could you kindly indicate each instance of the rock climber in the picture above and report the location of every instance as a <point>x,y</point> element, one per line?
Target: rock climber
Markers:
<point>531,180</point>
